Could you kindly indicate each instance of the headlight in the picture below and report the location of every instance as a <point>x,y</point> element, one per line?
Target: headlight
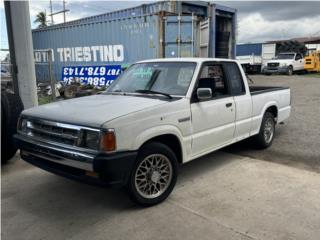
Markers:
<point>284,64</point>
<point>90,139</point>
<point>104,140</point>
<point>22,124</point>
<point>108,140</point>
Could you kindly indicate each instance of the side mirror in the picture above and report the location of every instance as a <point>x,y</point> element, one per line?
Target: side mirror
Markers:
<point>204,93</point>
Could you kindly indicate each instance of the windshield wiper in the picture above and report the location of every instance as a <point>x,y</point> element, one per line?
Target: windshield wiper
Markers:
<point>117,92</point>
<point>153,92</point>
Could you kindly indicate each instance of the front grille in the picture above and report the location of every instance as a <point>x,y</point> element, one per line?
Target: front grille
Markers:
<point>54,132</point>
<point>273,64</point>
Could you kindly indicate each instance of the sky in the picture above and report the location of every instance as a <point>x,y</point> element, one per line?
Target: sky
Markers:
<point>258,21</point>
<point>262,21</point>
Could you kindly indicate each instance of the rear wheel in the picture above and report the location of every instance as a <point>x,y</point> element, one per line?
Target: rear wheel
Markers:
<point>265,136</point>
<point>154,174</point>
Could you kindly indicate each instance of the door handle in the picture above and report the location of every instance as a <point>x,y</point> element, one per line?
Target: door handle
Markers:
<point>228,105</point>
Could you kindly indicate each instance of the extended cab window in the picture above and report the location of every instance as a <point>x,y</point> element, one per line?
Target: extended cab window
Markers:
<point>212,76</point>
<point>235,78</point>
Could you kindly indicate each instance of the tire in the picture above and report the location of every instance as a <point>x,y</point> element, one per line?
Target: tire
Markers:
<point>143,178</point>
<point>11,107</point>
<point>290,71</point>
<point>264,139</point>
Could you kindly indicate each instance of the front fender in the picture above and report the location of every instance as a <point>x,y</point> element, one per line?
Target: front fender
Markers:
<point>153,132</point>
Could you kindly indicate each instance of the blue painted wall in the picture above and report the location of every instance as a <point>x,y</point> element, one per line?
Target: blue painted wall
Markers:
<point>249,49</point>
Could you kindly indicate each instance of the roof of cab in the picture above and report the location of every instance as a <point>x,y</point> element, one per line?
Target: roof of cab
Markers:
<point>188,59</point>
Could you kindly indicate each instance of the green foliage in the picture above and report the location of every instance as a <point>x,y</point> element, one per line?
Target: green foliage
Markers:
<point>44,100</point>
<point>41,18</point>
<point>317,75</point>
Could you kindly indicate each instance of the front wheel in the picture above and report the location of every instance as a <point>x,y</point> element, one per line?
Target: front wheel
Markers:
<point>154,174</point>
<point>265,136</point>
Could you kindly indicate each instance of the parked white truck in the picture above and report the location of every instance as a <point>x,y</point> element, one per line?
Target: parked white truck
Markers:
<point>250,63</point>
<point>157,115</point>
<point>287,63</point>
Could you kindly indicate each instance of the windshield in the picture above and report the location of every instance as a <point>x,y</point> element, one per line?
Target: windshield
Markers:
<point>285,56</point>
<point>164,77</point>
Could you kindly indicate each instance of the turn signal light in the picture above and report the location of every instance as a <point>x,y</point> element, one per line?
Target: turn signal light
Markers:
<point>108,141</point>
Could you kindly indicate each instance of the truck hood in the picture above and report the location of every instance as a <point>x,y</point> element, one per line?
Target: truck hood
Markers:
<point>92,111</point>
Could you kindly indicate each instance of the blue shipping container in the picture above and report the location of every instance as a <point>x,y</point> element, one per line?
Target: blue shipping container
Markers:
<point>249,49</point>
<point>122,38</point>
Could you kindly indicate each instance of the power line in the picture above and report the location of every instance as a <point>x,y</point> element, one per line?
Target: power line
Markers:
<point>64,10</point>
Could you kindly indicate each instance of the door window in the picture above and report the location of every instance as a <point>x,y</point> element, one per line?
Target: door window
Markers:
<point>212,76</point>
<point>298,57</point>
<point>235,78</point>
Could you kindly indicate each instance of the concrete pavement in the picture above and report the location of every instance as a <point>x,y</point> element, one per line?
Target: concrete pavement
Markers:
<point>220,196</point>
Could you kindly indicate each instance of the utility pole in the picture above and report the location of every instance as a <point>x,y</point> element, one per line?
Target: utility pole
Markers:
<point>21,51</point>
<point>51,12</point>
<point>64,10</point>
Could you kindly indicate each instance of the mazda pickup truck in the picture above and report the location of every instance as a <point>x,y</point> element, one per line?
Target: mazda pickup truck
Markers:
<point>157,115</point>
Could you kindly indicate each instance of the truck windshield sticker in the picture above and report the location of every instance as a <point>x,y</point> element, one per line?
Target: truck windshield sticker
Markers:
<point>143,72</point>
<point>91,75</point>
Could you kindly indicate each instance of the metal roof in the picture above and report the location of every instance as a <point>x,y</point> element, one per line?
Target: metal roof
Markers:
<point>300,40</point>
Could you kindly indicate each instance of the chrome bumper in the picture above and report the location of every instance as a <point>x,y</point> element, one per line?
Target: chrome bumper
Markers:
<point>282,69</point>
<point>51,153</point>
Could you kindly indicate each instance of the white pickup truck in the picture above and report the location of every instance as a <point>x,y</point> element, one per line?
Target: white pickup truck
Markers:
<point>287,63</point>
<point>250,63</point>
<point>157,115</point>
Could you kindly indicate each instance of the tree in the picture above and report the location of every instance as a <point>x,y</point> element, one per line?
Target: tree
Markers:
<point>41,18</point>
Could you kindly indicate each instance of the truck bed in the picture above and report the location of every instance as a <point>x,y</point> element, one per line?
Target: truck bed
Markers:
<point>254,90</point>
<point>263,96</point>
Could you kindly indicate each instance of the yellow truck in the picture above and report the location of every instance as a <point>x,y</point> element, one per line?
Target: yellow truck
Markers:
<point>312,62</point>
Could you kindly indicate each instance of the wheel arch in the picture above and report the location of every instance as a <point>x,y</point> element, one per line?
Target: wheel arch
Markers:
<point>169,136</point>
<point>274,110</point>
<point>270,106</point>
<point>172,142</point>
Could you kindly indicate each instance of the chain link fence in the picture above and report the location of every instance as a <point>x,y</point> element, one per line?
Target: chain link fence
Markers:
<point>46,82</point>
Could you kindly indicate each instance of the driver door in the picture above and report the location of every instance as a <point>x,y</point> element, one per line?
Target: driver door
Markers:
<point>213,120</point>
<point>299,62</point>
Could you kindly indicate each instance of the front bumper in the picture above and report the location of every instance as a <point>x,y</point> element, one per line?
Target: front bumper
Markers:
<point>281,69</point>
<point>96,168</point>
